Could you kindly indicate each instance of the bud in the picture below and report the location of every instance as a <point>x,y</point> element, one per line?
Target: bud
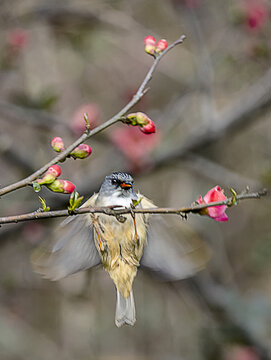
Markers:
<point>57,144</point>
<point>149,43</point>
<point>81,152</point>
<point>54,170</point>
<point>62,186</point>
<point>51,174</point>
<point>145,123</point>
<point>149,128</point>
<point>161,46</point>
<point>215,212</point>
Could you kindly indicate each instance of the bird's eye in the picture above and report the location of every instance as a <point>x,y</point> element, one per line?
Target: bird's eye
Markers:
<point>114,181</point>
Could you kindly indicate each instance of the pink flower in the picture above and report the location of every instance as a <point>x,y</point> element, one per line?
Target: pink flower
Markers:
<point>54,170</point>
<point>57,144</point>
<point>215,212</point>
<point>256,14</point>
<point>149,43</point>
<point>62,186</point>
<point>161,46</point>
<point>78,124</point>
<point>149,128</point>
<point>145,124</point>
<point>133,144</point>
<point>17,38</point>
<point>51,174</point>
<point>81,152</point>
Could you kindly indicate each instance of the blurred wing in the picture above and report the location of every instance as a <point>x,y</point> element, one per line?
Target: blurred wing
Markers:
<point>173,250</point>
<point>72,250</point>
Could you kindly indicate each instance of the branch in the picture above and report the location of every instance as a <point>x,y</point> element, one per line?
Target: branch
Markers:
<point>139,94</point>
<point>113,211</point>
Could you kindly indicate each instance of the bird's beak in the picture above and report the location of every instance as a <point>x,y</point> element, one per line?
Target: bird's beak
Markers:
<point>126,185</point>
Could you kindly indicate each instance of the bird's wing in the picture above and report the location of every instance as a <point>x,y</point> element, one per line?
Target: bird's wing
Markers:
<point>72,249</point>
<point>173,250</point>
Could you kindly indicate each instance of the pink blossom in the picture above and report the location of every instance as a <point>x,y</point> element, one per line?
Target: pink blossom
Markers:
<point>148,128</point>
<point>256,14</point>
<point>78,124</point>
<point>62,186</point>
<point>51,174</point>
<point>57,144</point>
<point>215,212</point>
<point>241,352</point>
<point>81,152</point>
<point>149,43</point>
<point>133,144</point>
<point>17,38</point>
<point>54,170</point>
<point>161,46</point>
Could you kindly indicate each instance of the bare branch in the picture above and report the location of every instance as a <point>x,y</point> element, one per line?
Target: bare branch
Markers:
<point>113,211</point>
<point>139,94</point>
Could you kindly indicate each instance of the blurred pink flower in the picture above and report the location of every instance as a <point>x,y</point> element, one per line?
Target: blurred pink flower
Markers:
<point>215,212</point>
<point>256,14</point>
<point>17,38</point>
<point>57,144</point>
<point>78,124</point>
<point>62,186</point>
<point>133,144</point>
<point>239,352</point>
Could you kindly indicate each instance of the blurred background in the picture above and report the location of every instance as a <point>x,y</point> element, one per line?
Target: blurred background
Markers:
<point>210,99</point>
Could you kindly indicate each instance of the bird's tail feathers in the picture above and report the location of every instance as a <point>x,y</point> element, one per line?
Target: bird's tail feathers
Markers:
<point>125,310</point>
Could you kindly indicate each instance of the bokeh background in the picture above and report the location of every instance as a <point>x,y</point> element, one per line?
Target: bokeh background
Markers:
<point>210,99</point>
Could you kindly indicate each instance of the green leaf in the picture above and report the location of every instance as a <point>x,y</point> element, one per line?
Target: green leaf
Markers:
<point>136,202</point>
<point>43,203</point>
<point>75,201</point>
<point>36,187</point>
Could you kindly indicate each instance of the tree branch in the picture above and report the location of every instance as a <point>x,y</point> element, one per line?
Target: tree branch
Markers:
<point>139,94</point>
<point>113,211</point>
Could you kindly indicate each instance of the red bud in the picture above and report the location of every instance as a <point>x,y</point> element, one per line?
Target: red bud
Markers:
<point>57,144</point>
<point>161,46</point>
<point>149,128</point>
<point>149,43</point>
<point>81,152</point>
<point>54,170</point>
<point>62,186</point>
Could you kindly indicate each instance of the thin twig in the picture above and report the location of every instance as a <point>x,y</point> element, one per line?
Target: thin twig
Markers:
<point>109,210</point>
<point>139,94</point>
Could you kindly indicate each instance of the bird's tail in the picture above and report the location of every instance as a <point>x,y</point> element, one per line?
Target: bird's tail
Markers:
<point>125,310</point>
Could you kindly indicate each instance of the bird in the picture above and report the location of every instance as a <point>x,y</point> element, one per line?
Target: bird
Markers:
<point>120,244</point>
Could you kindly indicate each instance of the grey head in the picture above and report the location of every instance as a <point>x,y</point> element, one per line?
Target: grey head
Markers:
<point>118,185</point>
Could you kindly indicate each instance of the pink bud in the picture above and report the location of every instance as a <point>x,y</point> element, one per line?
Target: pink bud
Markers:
<point>54,170</point>
<point>215,212</point>
<point>81,152</point>
<point>57,144</point>
<point>51,174</point>
<point>161,46</point>
<point>17,38</point>
<point>149,43</point>
<point>149,128</point>
<point>62,186</point>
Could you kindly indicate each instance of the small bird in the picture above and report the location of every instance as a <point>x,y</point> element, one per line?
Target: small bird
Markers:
<point>85,241</point>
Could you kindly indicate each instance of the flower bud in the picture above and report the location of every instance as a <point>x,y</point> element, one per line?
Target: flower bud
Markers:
<point>145,123</point>
<point>149,128</point>
<point>149,43</point>
<point>51,174</point>
<point>81,152</point>
<point>62,186</point>
<point>57,144</point>
<point>215,212</point>
<point>54,170</point>
<point>161,46</point>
